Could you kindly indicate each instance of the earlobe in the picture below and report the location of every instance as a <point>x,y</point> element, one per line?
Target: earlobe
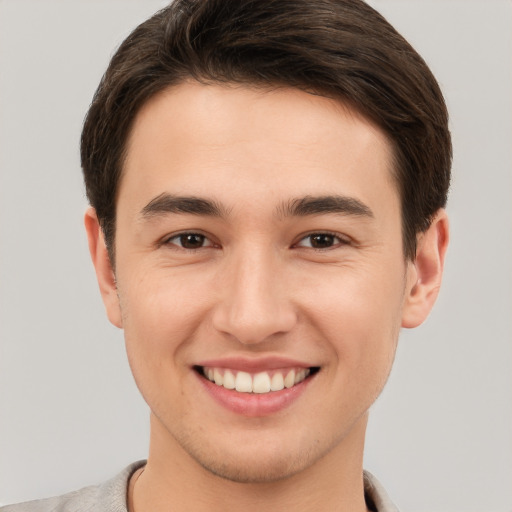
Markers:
<point>102,265</point>
<point>426,272</point>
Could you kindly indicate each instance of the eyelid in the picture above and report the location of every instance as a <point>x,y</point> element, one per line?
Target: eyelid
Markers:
<point>166,240</point>
<point>342,240</point>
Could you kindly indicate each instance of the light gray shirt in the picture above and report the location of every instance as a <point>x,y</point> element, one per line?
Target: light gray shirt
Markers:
<point>111,497</point>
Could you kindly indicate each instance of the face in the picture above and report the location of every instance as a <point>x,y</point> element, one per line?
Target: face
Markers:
<point>260,276</point>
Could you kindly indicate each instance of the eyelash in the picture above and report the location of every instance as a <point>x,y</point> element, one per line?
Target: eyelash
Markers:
<point>337,239</point>
<point>181,236</point>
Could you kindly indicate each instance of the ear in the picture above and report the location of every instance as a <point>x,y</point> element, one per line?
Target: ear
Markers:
<point>426,271</point>
<point>104,271</point>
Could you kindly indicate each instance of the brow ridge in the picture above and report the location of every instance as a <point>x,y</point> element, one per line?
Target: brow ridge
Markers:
<point>318,205</point>
<point>168,203</point>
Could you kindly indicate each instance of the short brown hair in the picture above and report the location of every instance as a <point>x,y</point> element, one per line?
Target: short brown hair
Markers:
<point>341,49</point>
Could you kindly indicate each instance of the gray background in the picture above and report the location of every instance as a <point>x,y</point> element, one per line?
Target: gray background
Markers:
<point>440,437</point>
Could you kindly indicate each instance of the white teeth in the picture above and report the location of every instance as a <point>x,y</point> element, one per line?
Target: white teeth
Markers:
<point>243,382</point>
<point>277,382</point>
<point>260,383</point>
<point>229,380</point>
<point>300,376</point>
<point>218,377</point>
<point>289,380</point>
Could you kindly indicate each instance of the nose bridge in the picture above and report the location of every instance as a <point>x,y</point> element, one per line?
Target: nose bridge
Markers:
<point>254,303</point>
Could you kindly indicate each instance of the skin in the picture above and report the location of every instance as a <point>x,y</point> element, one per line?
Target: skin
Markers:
<point>258,287</point>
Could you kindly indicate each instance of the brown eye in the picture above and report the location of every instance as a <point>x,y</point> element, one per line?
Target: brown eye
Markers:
<point>320,241</point>
<point>190,241</point>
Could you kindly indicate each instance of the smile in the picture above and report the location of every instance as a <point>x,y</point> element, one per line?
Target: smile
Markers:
<point>261,382</point>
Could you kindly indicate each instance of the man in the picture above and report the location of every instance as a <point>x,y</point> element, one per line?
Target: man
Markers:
<point>267,183</point>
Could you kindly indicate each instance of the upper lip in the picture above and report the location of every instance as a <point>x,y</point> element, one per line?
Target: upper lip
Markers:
<point>254,364</point>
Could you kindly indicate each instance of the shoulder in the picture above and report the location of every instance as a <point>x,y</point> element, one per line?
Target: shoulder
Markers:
<point>82,500</point>
<point>376,496</point>
<point>107,497</point>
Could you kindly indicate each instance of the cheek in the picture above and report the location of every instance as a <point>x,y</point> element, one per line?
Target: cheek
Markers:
<point>358,314</point>
<point>160,316</point>
<point>161,313</point>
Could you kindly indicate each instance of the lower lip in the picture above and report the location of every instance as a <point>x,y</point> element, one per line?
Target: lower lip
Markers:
<point>254,404</point>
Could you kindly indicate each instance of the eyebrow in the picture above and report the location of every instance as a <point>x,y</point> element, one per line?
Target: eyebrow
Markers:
<point>299,207</point>
<point>312,205</point>
<point>168,203</point>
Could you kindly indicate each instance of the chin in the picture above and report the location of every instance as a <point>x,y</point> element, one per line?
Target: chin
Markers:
<point>252,460</point>
<point>255,470</point>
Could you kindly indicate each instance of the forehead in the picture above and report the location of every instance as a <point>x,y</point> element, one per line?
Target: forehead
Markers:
<point>210,139</point>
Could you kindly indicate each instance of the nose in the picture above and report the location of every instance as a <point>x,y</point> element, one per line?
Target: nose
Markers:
<point>254,301</point>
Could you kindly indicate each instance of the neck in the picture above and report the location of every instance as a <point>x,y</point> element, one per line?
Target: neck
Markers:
<point>174,480</point>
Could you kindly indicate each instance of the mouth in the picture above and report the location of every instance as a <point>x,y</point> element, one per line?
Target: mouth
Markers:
<point>262,382</point>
